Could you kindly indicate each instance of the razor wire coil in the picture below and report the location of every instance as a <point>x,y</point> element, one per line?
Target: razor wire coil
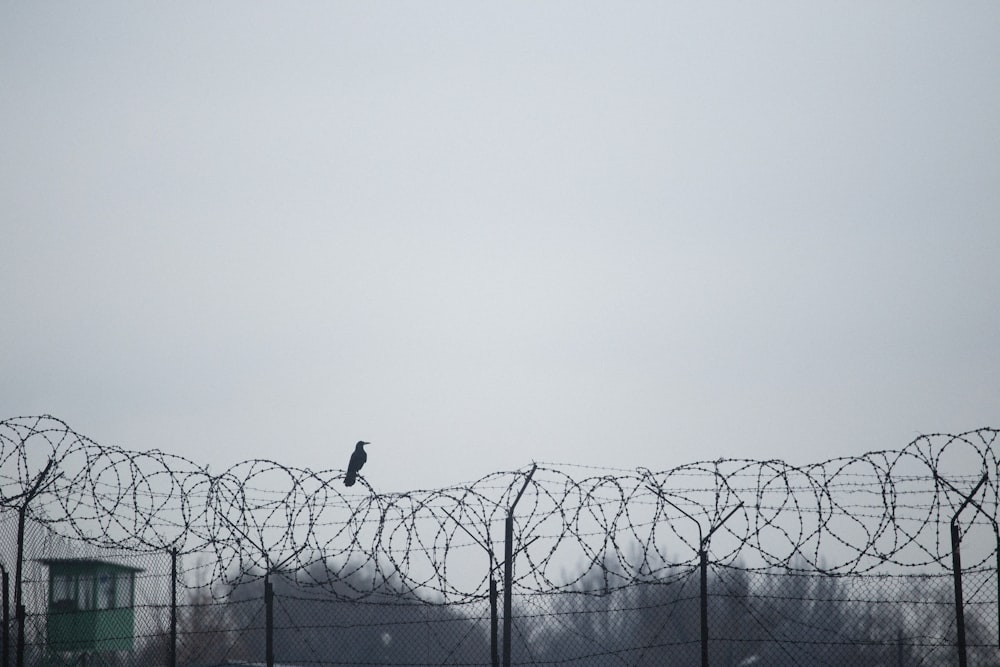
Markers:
<point>608,527</point>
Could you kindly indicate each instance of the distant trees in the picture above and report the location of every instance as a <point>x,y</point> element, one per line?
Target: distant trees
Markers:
<point>773,618</point>
<point>756,617</point>
<point>320,624</point>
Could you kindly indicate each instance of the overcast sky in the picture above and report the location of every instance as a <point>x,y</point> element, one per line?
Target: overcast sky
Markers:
<point>481,234</point>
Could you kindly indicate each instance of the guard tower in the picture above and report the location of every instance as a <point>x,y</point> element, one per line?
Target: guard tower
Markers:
<point>91,605</point>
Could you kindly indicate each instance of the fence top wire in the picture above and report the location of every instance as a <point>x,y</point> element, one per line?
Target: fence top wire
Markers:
<point>577,528</point>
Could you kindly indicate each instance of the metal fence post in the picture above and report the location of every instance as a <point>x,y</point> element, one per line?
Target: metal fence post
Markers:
<point>956,564</point>
<point>494,622</point>
<point>703,542</point>
<point>173,608</point>
<point>268,621</point>
<point>703,555</point>
<point>508,570</point>
<point>22,513</point>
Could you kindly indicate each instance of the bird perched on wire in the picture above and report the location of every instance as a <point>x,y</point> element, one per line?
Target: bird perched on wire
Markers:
<point>358,459</point>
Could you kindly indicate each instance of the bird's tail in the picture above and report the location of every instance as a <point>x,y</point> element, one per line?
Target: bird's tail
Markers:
<point>349,479</point>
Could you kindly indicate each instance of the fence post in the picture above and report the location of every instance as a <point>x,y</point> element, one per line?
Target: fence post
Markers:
<point>494,622</point>
<point>268,621</point>
<point>173,607</point>
<point>956,564</point>
<point>508,569</point>
<point>22,513</point>
<point>703,555</point>
<point>703,542</point>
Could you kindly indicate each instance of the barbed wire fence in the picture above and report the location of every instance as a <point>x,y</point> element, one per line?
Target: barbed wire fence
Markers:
<point>888,558</point>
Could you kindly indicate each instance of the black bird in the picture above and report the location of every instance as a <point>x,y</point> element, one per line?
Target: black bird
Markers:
<point>358,459</point>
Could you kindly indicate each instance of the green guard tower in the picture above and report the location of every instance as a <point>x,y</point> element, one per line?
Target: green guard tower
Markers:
<point>91,605</point>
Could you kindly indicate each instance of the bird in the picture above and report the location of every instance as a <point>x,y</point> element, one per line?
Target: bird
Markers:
<point>358,459</point>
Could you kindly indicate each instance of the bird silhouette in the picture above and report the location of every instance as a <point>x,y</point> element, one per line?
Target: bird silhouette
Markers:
<point>358,459</point>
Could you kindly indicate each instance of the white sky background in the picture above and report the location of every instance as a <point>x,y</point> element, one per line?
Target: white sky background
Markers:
<point>612,234</point>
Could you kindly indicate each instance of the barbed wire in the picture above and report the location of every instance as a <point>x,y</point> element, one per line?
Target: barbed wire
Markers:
<point>605,530</point>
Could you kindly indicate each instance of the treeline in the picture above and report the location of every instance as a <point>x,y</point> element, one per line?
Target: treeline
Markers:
<point>778,619</point>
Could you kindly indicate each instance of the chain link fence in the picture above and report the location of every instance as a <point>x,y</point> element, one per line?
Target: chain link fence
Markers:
<point>754,616</point>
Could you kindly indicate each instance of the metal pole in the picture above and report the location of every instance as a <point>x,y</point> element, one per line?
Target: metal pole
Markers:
<point>703,543</point>
<point>956,543</point>
<point>508,570</point>
<point>956,564</point>
<point>268,622</point>
<point>19,619</point>
<point>704,606</point>
<point>22,513</point>
<point>18,607</point>
<point>173,608</point>
<point>494,622</point>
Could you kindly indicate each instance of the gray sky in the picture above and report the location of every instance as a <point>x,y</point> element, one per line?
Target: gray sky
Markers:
<point>612,234</point>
